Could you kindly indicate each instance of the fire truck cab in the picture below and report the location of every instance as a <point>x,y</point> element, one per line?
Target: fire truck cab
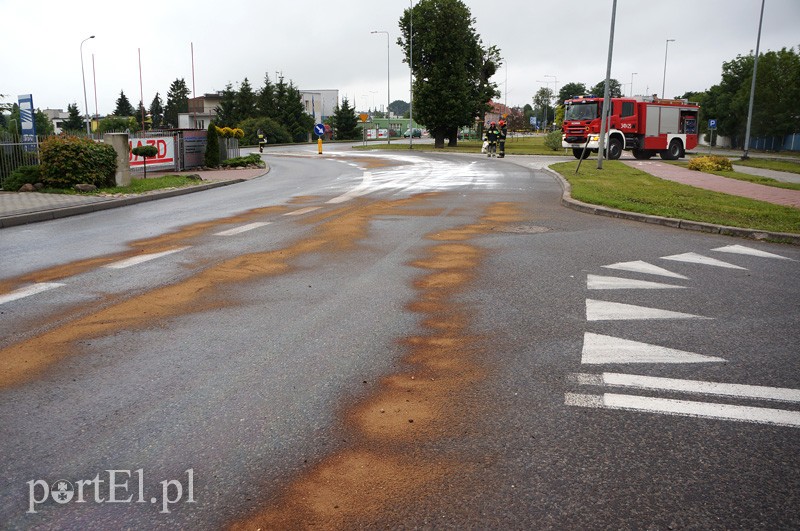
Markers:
<point>644,125</point>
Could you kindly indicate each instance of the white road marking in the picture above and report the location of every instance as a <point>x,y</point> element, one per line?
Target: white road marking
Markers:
<point>755,392</point>
<point>242,228</point>
<point>741,249</point>
<point>302,211</point>
<point>640,266</point>
<point>602,282</point>
<point>128,262</point>
<point>363,188</point>
<point>694,258</point>
<point>760,415</point>
<point>616,311</point>
<point>600,349</point>
<point>27,291</point>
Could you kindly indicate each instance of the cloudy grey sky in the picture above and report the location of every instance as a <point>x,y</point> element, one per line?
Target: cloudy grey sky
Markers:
<point>328,45</point>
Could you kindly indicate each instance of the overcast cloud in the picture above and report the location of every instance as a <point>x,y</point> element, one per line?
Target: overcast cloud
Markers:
<point>328,45</point>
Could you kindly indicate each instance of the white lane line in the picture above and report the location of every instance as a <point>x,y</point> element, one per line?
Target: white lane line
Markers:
<point>599,349</point>
<point>616,311</point>
<point>603,282</point>
<point>755,392</point>
<point>694,258</point>
<point>136,260</point>
<point>243,228</point>
<point>760,415</point>
<point>302,211</point>
<point>640,266</point>
<point>27,291</point>
<point>362,189</point>
<point>741,249</point>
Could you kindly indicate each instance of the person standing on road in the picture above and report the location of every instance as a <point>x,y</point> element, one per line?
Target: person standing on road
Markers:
<point>262,139</point>
<point>492,134</point>
<point>502,138</point>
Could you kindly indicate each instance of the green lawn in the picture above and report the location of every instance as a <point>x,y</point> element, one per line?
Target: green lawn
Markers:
<point>624,188</point>
<point>137,186</point>
<point>751,178</point>
<point>791,166</point>
<point>514,146</point>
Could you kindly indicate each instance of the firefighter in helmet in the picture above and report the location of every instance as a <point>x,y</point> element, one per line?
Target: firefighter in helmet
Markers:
<point>502,138</point>
<point>492,134</point>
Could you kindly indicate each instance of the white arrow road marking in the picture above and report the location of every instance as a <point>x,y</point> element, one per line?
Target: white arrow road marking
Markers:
<point>640,266</point>
<point>27,291</point>
<point>600,349</point>
<point>616,311</point>
<point>755,392</point>
<point>741,249</point>
<point>688,408</point>
<point>128,262</point>
<point>242,228</point>
<point>694,258</point>
<point>602,282</point>
<point>302,211</point>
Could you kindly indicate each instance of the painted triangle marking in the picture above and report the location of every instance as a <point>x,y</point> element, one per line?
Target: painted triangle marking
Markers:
<point>694,258</point>
<point>741,249</point>
<point>600,349</point>
<point>602,282</point>
<point>616,311</point>
<point>640,266</point>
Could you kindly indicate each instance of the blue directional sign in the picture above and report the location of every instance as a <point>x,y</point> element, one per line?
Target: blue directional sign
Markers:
<point>712,123</point>
<point>319,129</point>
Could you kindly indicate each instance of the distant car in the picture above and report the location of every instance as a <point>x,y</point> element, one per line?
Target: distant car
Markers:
<point>417,133</point>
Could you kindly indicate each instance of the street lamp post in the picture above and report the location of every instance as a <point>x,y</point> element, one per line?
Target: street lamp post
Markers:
<point>632,74</point>
<point>411,74</point>
<point>83,77</point>
<point>388,97</point>
<point>666,49</point>
<point>745,156</point>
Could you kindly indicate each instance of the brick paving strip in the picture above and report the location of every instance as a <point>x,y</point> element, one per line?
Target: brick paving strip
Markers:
<point>708,181</point>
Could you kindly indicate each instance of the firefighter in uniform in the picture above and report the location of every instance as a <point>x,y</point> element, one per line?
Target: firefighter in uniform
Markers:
<point>492,134</point>
<point>502,138</point>
<point>262,140</point>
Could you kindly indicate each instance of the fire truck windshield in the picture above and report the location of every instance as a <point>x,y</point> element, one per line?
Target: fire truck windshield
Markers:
<point>581,111</point>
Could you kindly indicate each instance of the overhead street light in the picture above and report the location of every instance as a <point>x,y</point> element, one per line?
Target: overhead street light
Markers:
<point>83,77</point>
<point>632,74</point>
<point>666,49</point>
<point>388,98</point>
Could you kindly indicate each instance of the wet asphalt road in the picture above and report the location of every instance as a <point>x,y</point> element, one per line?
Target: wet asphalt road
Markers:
<point>250,387</point>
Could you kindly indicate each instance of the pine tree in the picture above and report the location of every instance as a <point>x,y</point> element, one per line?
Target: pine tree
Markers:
<point>157,112</point>
<point>345,122</point>
<point>75,121</point>
<point>245,102</point>
<point>265,103</point>
<point>142,112</point>
<point>212,147</point>
<point>177,102</point>
<point>226,110</point>
<point>124,107</point>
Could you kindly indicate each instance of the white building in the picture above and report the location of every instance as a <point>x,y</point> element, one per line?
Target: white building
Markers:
<point>58,117</point>
<point>320,103</point>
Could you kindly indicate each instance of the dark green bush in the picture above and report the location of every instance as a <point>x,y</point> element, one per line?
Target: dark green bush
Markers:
<point>22,175</point>
<point>71,160</point>
<point>238,162</point>
<point>553,140</point>
<point>212,147</point>
<point>275,132</point>
<point>146,151</point>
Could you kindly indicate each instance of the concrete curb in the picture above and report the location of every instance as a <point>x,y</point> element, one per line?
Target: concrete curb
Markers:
<point>753,234</point>
<point>63,212</point>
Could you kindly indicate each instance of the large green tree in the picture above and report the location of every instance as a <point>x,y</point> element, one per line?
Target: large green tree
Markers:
<point>614,88</point>
<point>74,122</point>
<point>157,112</point>
<point>245,101</point>
<point>124,107</point>
<point>177,102</point>
<point>344,122</point>
<point>265,102</point>
<point>571,90</point>
<point>451,67</point>
<point>226,110</point>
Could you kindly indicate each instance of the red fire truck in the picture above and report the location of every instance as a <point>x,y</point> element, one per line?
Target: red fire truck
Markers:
<point>644,125</point>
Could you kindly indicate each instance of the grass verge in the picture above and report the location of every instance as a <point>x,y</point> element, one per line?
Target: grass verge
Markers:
<point>137,186</point>
<point>514,146</point>
<point>791,166</point>
<point>757,179</point>
<point>625,188</point>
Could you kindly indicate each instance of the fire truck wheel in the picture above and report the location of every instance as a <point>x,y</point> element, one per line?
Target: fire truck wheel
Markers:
<point>642,154</point>
<point>614,150</point>
<point>577,152</point>
<point>673,152</point>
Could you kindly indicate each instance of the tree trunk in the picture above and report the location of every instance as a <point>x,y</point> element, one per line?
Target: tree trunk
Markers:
<point>453,137</point>
<point>438,140</point>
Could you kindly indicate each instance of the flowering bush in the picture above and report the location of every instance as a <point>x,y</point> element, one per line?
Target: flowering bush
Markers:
<point>710,163</point>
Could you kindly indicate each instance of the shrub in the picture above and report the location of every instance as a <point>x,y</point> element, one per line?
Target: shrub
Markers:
<point>275,133</point>
<point>239,162</point>
<point>212,147</point>
<point>710,163</point>
<point>22,175</point>
<point>553,140</point>
<point>71,160</point>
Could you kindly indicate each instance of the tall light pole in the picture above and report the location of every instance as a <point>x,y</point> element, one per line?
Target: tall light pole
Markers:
<point>388,98</point>
<point>664,84</point>
<point>752,89</point>
<point>83,77</point>
<point>601,143</point>
<point>632,74</point>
